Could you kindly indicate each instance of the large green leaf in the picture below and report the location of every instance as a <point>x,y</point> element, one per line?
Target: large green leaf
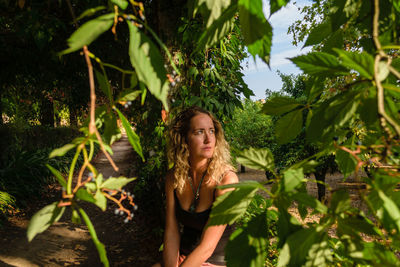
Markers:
<point>275,5</point>
<point>279,105</point>
<point>319,33</point>
<point>310,201</point>
<point>297,246</point>
<point>129,95</point>
<point>289,126</point>
<point>83,194</point>
<point>59,152</point>
<point>146,58</point>
<point>233,204</point>
<point>100,200</point>
<point>392,209</point>
<point>340,202</point>
<point>88,32</point>
<point>256,30</point>
<point>257,158</point>
<point>320,254</point>
<point>320,64</point>
<point>291,179</point>
<point>346,163</point>
<point>100,247</point>
<point>43,219</point>
<point>60,178</point>
<point>132,136</point>
<point>363,62</point>
<point>218,29</point>
<point>123,4</point>
<point>248,246</point>
<point>213,9</point>
<point>116,183</point>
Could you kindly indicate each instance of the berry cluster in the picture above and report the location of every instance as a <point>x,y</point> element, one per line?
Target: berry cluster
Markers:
<point>124,198</point>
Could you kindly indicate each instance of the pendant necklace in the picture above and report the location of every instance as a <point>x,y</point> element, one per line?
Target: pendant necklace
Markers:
<point>197,193</point>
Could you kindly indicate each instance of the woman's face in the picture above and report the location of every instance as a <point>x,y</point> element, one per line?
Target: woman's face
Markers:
<point>201,137</point>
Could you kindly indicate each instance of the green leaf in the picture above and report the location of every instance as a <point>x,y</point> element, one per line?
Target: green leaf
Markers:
<point>257,158</point>
<point>320,64</point>
<point>383,70</point>
<point>218,29</point>
<point>100,247</point>
<point>100,200</point>
<point>42,219</point>
<point>116,183</point>
<point>90,12</point>
<point>104,85</point>
<point>256,30</point>
<point>279,105</point>
<point>340,202</point>
<point>123,4</point>
<point>319,33</point>
<point>310,201</point>
<point>320,254</point>
<point>363,62</point>
<point>111,129</point>
<point>128,95</point>
<point>146,58</point>
<point>289,126</point>
<point>275,5</point>
<point>297,246</point>
<point>230,206</point>
<point>346,163</point>
<point>248,246</point>
<point>391,208</point>
<point>58,175</point>
<point>75,218</point>
<point>88,32</point>
<point>83,194</point>
<point>132,136</point>
<point>291,179</point>
<point>59,152</point>
<point>214,9</point>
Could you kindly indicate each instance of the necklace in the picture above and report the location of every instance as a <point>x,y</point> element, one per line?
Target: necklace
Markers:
<point>197,193</point>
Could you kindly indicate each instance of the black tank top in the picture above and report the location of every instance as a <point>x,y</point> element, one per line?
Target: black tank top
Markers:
<point>193,225</point>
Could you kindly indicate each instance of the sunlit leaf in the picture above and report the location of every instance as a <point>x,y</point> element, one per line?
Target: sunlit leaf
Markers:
<point>59,152</point>
<point>90,12</point>
<point>60,178</point>
<point>132,136</point>
<point>101,200</point>
<point>319,33</point>
<point>256,158</point>
<point>104,85</point>
<point>291,179</point>
<point>275,5</point>
<point>146,58</point>
<point>123,4</point>
<point>83,194</point>
<point>233,204</point>
<point>363,62</point>
<point>88,32</point>
<point>116,183</point>
<point>43,219</point>
<point>214,9</point>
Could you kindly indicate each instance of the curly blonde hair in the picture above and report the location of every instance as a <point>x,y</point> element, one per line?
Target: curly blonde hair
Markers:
<point>178,150</point>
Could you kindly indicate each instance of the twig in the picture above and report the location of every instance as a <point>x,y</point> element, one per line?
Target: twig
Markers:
<point>380,94</point>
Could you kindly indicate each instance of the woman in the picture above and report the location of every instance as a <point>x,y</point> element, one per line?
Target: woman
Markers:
<point>201,162</point>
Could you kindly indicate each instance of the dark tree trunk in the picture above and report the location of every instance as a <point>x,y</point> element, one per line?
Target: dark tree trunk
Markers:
<point>320,177</point>
<point>47,113</point>
<point>242,169</point>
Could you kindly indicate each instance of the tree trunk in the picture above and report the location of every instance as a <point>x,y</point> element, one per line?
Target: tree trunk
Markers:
<point>320,177</point>
<point>242,169</point>
<point>47,113</point>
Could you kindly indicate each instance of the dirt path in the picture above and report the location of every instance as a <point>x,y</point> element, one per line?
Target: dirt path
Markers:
<point>68,244</point>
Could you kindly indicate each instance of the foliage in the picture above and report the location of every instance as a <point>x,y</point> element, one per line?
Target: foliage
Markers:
<point>357,116</point>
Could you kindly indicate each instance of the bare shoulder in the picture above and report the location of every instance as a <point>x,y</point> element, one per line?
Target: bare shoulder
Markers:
<point>229,177</point>
<point>169,178</point>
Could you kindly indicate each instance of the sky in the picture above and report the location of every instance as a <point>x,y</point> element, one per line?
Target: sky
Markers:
<point>257,75</point>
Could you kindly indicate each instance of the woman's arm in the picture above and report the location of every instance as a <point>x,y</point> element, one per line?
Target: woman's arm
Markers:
<point>211,235</point>
<point>171,234</point>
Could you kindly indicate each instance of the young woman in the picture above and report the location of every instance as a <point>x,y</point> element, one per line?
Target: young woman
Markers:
<point>201,162</point>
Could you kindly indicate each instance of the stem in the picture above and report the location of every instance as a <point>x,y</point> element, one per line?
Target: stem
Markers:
<point>71,170</point>
<point>380,92</point>
<point>91,151</point>
<point>92,123</point>
<point>100,247</point>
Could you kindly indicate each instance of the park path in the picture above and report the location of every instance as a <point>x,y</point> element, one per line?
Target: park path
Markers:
<point>68,244</point>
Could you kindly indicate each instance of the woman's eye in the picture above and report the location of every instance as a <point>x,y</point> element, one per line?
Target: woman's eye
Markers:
<point>212,131</point>
<point>198,132</point>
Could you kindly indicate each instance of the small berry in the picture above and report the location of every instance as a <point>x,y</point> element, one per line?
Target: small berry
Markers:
<point>91,174</point>
<point>116,211</point>
<point>129,103</point>
<point>121,212</point>
<point>359,143</point>
<point>178,79</point>
<point>126,220</point>
<point>165,66</point>
<point>335,138</point>
<point>129,194</point>
<point>123,191</point>
<point>173,72</point>
<point>173,84</point>
<point>131,215</point>
<point>135,208</point>
<point>126,105</point>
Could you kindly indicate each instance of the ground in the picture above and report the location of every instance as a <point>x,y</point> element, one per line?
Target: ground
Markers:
<point>66,244</point>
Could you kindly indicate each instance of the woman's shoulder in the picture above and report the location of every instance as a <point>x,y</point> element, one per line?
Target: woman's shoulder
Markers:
<point>170,177</point>
<point>229,177</point>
